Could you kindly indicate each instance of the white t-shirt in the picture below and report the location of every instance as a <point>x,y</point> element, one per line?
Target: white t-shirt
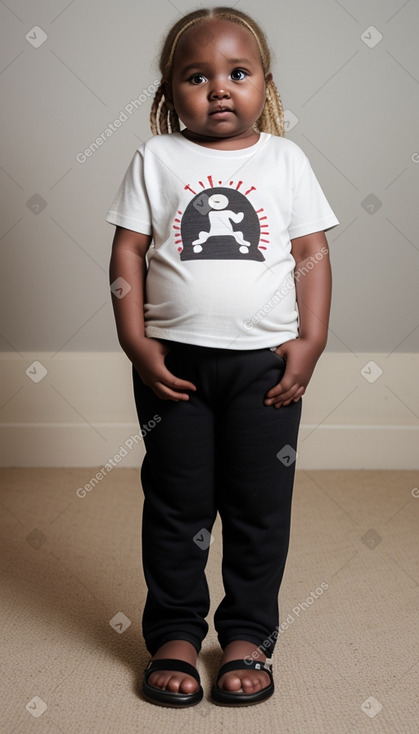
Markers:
<point>220,268</point>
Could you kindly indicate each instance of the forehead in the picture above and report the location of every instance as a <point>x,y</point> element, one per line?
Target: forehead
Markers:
<point>214,36</point>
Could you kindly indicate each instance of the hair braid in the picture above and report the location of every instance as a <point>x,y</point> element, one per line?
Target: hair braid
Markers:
<point>163,116</point>
<point>272,117</point>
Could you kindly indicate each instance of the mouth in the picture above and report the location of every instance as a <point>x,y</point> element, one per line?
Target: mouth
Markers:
<point>221,111</point>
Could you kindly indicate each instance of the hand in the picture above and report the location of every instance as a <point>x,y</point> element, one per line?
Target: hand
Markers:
<point>301,358</point>
<point>148,361</point>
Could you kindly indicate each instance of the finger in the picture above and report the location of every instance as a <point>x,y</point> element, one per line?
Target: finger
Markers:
<point>165,393</point>
<point>282,391</point>
<point>176,383</point>
<point>281,387</point>
<point>282,399</point>
<point>293,399</point>
<point>276,390</point>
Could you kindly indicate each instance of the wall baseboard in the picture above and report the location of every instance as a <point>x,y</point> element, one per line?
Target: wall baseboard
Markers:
<point>77,409</point>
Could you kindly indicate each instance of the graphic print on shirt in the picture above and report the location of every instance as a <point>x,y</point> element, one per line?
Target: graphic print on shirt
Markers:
<point>220,223</point>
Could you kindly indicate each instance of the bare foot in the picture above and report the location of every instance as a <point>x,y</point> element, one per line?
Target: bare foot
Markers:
<point>171,680</point>
<point>243,681</point>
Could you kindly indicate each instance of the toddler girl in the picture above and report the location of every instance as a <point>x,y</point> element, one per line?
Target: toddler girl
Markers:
<point>222,291</point>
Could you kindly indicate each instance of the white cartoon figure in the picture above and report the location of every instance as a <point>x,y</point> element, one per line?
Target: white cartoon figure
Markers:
<point>220,223</point>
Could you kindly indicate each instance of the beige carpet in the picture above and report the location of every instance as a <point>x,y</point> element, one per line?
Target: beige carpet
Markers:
<point>345,661</point>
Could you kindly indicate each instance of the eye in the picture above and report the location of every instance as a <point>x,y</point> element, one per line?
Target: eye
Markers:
<point>238,71</point>
<point>193,79</point>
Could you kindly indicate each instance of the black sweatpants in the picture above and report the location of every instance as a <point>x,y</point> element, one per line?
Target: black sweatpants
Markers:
<point>221,450</point>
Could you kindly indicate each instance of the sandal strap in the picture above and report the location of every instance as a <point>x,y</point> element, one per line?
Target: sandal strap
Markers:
<point>245,665</point>
<point>172,664</point>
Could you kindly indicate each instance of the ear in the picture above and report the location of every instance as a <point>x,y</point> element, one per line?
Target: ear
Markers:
<point>167,91</point>
<point>268,78</point>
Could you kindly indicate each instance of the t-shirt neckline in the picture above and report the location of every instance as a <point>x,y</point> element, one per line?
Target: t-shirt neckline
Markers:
<point>238,153</point>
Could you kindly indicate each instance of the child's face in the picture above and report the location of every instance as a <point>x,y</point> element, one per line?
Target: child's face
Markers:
<point>218,64</point>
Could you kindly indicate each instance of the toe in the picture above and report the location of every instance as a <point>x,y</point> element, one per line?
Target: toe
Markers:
<point>188,685</point>
<point>247,682</point>
<point>157,680</point>
<point>174,682</point>
<point>254,683</point>
<point>230,682</point>
<point>181,684</point>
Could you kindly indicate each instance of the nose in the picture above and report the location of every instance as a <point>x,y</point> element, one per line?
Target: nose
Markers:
<point>219,92</point>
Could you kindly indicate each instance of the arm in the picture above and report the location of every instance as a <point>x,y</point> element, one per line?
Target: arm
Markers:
<point>147,355</point>
<point>313,292</point>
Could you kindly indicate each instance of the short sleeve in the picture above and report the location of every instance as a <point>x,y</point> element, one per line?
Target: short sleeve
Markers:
<point>131,207</point>
<point>311,212</point>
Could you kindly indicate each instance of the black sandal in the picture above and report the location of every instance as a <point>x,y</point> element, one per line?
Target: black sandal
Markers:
<point>233,698</point>
<point>170,698</point>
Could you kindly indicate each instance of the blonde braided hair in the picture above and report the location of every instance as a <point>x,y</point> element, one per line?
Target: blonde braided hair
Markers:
<point>163,117</point>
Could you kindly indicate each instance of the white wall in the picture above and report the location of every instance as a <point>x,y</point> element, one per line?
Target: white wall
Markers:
<point>358,117</point>
<point>77,409</point>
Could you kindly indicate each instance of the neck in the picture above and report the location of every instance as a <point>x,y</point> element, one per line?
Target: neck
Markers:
<point>234,142</point>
